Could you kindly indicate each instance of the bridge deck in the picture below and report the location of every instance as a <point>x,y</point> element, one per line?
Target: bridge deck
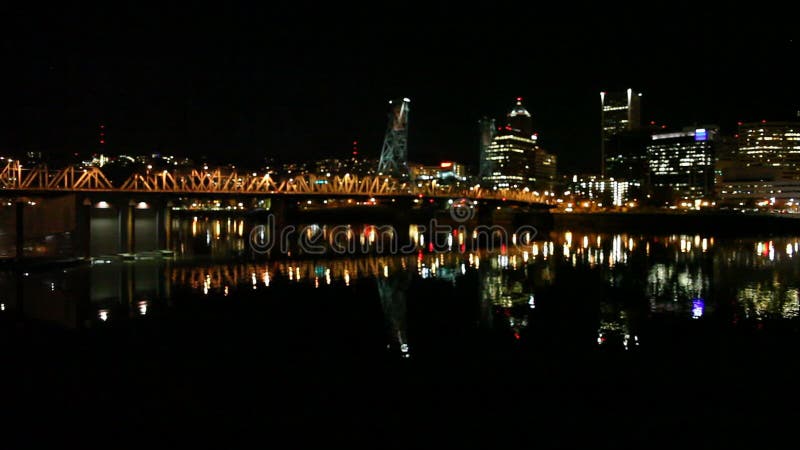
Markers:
<point>16,180</point>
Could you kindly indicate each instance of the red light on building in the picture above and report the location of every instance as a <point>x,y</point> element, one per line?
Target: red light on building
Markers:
<point>102,141</point>
<point>652,122</point>
<point>446,164</point>
<point>739,123</point>
<point>663,127</point>
<point>763,121</point>
<point>519,99</point>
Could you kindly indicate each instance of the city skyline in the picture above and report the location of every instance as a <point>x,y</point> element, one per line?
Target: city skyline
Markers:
<point>574,226</point>
<point>257,85</point>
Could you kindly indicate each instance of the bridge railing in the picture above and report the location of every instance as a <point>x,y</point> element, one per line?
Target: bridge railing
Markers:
<point>14,177</point>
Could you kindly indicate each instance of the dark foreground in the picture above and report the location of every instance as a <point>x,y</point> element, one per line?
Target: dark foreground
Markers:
<point>317,374</point>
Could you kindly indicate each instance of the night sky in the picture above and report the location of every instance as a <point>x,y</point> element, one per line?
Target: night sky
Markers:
<point>237,84</point>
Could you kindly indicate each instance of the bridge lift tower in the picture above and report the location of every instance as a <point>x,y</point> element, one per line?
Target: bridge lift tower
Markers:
<point>394,155</point>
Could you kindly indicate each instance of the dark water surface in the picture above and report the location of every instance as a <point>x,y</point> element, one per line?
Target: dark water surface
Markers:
<point>575,341</point>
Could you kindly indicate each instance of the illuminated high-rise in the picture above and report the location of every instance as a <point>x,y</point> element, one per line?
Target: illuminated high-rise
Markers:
<point>619,112</point>
<point>512,152</point>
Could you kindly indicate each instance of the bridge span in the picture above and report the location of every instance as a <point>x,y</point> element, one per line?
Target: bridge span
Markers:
<point>17,180</point>
<point>135,215</point>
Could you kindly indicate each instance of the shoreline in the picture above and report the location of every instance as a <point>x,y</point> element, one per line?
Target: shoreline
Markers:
<point>722,223</point>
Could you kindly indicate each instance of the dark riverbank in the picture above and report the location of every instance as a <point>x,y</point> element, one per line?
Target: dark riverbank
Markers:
<point>718,223</point>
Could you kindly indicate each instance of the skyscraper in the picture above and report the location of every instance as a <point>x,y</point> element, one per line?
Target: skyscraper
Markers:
<point>619,112</point>
<point>520,121</point>
<point>513,159</point>
<point>626,154</point>
<point>511,154</point>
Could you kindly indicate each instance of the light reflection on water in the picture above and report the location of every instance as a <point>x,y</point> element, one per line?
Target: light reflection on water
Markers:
<point>628,279</point>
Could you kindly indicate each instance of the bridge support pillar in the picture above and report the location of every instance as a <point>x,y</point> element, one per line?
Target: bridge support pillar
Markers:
<point>126,224</point>
<point>130,232</point>
<point>20,230</point>
<point>165,226</point>
<point>486,214</point>
<point>83,220</point>
<point>278,208</point>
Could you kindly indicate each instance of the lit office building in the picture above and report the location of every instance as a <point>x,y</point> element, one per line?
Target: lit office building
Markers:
<point>596,189</point>
<point>514,159</point>
<point>771,193</point>
<point>682,163</point>
<point>422,172</point>
<point>773,145</point>
<point>619,112</point>
<point>765,169</point>
<point>444,171</point>
<point>451,170</point>
<point>511,155</point>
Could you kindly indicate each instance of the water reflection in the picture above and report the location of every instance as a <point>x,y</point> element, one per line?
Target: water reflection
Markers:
<point>210,235</point>
<point>768,300</point>
<point>626,279</point>
<point>393,295</point>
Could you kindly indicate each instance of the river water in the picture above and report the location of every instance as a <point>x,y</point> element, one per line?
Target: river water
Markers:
<point>569,339</point>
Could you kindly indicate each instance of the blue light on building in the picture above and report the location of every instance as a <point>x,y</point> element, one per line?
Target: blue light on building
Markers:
<point>700,134</point>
